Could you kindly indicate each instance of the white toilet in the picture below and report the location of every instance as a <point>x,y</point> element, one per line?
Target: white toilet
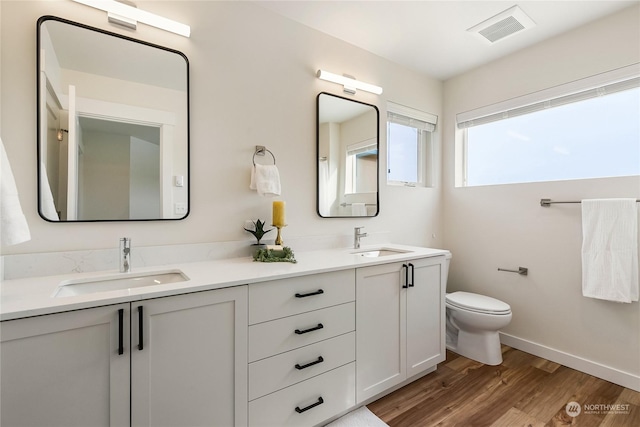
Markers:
<point>473,323</point>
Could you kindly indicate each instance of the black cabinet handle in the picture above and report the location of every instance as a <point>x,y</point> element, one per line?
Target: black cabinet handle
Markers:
<point>318,292</point>
<point>412,276</point>
<point>140,329</point>
<point>315,362</point>
<point>405,267</point>
<point>313,405</point>
<point>121,331</point>
<point>299,332</point>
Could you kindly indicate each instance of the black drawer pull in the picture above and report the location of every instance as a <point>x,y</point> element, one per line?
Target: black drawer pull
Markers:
<point>412,275</point>
<point>140,329</point>
<point>405,267</point>
<point>313,405</point>
<point>299,332</point>
<point>121,331</point>
<point>310,294</point>
<point>315,362</point>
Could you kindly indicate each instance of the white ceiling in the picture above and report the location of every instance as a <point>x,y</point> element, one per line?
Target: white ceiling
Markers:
<point>93,52</point>
<point>431,36</point>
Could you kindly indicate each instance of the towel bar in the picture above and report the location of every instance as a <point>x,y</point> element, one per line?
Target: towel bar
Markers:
<point>260,151</point>
<point>523,271</point>
<point>545,203</point>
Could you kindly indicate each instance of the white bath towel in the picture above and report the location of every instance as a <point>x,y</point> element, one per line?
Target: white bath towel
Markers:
<point>47,205</point>
<point>265,179</point>
<point>358,209</point>
<point>14,227</point>
<point>610,249</point>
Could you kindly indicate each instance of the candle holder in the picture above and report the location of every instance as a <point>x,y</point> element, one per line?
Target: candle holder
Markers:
<point>279,236</point>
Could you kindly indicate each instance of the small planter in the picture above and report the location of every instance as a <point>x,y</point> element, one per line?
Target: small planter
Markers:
<point>256,247</point>
<point>258,232</point>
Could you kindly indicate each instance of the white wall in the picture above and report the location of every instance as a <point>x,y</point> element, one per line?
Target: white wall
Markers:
<point>504,226</point>
<point>252,83</point>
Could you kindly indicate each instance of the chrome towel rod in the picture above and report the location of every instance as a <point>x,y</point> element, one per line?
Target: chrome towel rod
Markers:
<point>545,203</point>
<point>523,271</point>
<point>349,204</point>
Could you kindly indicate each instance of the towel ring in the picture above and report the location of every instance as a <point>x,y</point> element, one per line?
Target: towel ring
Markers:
<point>260,152</point>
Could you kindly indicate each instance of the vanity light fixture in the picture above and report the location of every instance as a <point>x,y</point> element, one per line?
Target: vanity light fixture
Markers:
<point>350,84</point>
<point>128,16</point>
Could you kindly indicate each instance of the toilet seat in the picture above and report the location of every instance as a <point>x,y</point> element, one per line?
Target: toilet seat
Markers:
<point>477,303</point>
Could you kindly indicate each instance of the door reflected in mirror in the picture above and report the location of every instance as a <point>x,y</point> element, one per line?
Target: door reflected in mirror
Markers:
<point>347,149</point>
<point>113,126</point>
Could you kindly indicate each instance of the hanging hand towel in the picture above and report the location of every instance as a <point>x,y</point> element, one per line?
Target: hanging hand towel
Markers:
<point>266,180</point>
<point>610,249</point>
<point>14,228</point>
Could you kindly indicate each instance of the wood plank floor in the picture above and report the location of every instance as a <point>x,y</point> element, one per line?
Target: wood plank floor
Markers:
<point>524,390</point>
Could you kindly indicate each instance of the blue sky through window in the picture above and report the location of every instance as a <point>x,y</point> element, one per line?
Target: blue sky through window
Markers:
<point>402,159</point>
<point>599,137</point>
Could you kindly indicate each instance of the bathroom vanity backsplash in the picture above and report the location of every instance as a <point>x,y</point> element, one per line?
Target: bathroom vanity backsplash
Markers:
<point>68,262</point>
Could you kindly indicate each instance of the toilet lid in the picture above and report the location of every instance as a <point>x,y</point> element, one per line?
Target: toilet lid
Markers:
<point>478,303</point>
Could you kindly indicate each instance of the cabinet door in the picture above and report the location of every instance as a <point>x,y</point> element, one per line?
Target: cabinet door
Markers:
<point>381,329</point>
<point>191,368</point>
<point>425,315</point>
<point>65,369</point>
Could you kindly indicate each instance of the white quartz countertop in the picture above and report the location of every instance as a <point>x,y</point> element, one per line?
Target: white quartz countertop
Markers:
<point>34,296</point>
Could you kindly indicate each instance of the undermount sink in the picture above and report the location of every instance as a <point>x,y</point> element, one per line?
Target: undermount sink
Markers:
<point>375,253</point>
<point>117,282</point>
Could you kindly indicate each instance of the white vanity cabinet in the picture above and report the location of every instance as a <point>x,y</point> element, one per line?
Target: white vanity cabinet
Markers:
<point>400,322</point>
<point>179,360</point>
<point>301,346</point>
<point>301,349</point>
<point>189,359</point>
<point>65,369</point>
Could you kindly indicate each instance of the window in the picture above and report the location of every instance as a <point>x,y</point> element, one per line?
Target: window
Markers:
<point>361,172</point>
<point>409,146</point>
<point>592,133</point>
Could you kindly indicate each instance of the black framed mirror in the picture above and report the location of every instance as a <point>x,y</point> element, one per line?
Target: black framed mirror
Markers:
<point>348,141</point>
<point>113,126</point>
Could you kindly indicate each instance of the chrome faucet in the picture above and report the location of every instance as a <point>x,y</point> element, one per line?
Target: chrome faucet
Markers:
<point>125,255</point>
<point>357,234</point>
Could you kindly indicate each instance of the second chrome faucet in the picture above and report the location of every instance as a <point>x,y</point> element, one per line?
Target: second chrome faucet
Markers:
<point>125,255</point>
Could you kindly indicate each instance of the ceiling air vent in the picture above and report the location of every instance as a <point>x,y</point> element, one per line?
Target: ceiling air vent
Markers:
<point>504,24</point>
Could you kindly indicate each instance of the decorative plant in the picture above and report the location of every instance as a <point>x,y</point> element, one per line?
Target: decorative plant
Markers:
<point>270,255</point>
<point>259,231</point>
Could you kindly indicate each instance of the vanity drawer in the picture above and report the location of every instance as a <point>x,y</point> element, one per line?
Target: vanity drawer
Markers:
<point>281,298</point>
<point>275,337</point>
<point>335,389</point>
<point>277,372</point>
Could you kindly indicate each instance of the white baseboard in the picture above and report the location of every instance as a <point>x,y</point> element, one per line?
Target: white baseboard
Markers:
<point>607,373</point>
